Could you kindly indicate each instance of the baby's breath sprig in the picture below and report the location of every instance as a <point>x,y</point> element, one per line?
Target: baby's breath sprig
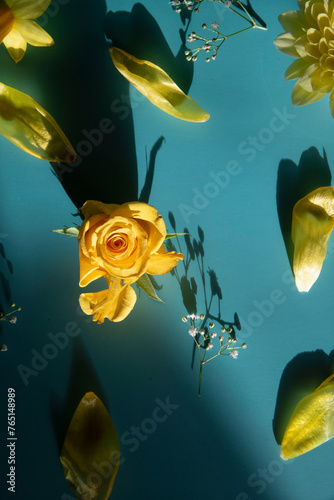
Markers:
<point>204,337</point>
<point>8,316</point>
<point>211,44</point>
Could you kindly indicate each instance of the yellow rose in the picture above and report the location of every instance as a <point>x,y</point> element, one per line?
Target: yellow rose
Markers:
<point>120,243</point>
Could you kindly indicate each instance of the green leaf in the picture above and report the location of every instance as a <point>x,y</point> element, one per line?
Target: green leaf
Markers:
<point>146,285</point>
<point>174,235</point>
<point>69,231</point>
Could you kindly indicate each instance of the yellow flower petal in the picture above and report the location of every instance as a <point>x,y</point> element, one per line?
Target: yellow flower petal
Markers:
<point>162,262</point>
<point>296,69</point>
<point>301,97</point>
<point>292,21</point>
<point>15,44</point>
<point>312,224</point>
<point>286,44</point>
<point>28,9</point>
<point>33,33</point>
<point>91,448</point>
<point>27,125</point>
<point>114,304</point>
<point>7,21</point>
<point>158,87</point>
<point>312,422</point>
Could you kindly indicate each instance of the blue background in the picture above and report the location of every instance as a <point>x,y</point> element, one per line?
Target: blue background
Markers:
<point>220,444</point>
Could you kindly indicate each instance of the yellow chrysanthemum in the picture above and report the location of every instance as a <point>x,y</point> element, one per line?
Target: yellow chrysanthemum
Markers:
<point>309,36</point>
<point>17,28</point>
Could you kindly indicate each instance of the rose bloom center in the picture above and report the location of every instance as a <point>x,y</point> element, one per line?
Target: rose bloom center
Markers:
<point>117,243</point>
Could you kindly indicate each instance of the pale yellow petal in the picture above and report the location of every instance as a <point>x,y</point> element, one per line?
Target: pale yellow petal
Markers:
<point>296,69</point>
<point>158,87</point>
<point>301,97</point>
<point>15,44</point>
<point>292,21</point>
<point>286,44</point>
<point>33,33</point>
<point>312,422</point>
<point>30,127</point>
<point>91,450</point>
<point>29,9</point>
<point>7,21</point>
<point>115,304</point>
<point>312,224</point>
<point>162,262</point>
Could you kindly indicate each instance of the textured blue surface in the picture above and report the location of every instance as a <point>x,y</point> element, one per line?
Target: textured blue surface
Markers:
<point>221,445</point>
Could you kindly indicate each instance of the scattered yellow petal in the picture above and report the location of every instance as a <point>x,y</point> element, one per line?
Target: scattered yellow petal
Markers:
<point>312,422</point>
<point>27,125</point>
<point>312,224</point>
<point>91,449</point>
<point>154,83</point>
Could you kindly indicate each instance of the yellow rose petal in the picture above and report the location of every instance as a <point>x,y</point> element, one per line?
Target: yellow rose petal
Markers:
<point>114,304</point>
<point>312,422</point>
<point>27,125</point>
<point>312,224</point>
<point>154,83</point>
<point>91,443</point>
<point>162,262</point>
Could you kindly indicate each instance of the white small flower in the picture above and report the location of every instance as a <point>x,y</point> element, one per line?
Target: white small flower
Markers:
<point>193,317</point>
<point>193,332</point>
<point>234,353</point>
<point>221,338</point>
<point>213,335</point>
<point>202,332</point>
<point>215,25</point>
<point>227,3</point>
<point>209,346</point>
<point>205,46</point>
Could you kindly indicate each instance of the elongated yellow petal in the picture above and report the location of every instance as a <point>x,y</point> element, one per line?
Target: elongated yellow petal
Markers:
<point>312,224</point>
<point>25,123</point>
<point>33,33</point>
<point>312,422</point>
<point>154,83</point>
<point>29,9</point>
<point>301,97</point>
<point>7,21</point>
<point>90,454</point>
<point>15,44</point>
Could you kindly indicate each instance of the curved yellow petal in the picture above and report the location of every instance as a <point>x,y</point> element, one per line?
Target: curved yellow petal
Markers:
<point>162,262</point>
<point>29,9</point>
<point>7,21</point>
<point>115,304</point>
<point>154,83</point>
<point>296,69</point>
<point>292,21</point>
<point>285,42</point>
<point>15,44</point>
<point>312,422</point>
<point>301,97</point>
<point>312,224</point>
<point>33,33</point>
<point>27,125</point>
<point>91,450</point>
